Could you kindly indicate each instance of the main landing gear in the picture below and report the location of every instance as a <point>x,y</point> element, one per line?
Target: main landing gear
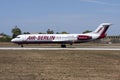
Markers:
<point>21,45</point>
<point>63,46</point>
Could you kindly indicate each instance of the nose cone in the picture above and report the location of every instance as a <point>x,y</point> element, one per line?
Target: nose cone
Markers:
<point>13,40</point>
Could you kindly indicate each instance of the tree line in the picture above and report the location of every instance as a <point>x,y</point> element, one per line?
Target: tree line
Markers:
<point>17,31</point>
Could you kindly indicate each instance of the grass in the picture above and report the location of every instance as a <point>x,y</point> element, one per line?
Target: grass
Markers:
<point>59,65</point>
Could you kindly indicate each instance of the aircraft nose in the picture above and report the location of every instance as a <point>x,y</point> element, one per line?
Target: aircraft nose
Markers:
<point>13,40</point>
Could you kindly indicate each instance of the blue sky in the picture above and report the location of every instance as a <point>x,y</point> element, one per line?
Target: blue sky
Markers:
<point>73,16</point>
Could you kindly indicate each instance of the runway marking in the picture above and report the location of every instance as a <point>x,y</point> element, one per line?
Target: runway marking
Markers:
<point>110,49</point>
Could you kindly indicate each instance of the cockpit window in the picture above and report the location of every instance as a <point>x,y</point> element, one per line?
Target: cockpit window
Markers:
<point>18,37</point>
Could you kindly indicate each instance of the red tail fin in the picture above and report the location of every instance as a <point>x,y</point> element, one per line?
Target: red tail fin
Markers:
<point>101,30</point>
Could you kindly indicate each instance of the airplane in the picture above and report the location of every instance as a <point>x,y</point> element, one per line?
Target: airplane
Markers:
<point>62,39</point>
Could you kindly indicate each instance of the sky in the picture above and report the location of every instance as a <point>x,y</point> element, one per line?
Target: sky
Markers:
<point>73,16</point>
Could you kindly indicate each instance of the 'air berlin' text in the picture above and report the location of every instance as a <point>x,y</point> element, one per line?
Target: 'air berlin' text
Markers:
<point>41,38</point>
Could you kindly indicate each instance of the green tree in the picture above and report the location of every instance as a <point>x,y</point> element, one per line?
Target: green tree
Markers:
<point>3,34</point>
<point>40,33</point>
<point>64,32</point>
<point>26,33</point>
<point>4,38</point>
<point>16,31</point>
<point>87,31</point>
<point>57,33</point>
<point>50,31</point>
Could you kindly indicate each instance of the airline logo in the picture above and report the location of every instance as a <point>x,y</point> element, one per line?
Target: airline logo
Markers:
<point>46,38</point>
<point>84,37</point>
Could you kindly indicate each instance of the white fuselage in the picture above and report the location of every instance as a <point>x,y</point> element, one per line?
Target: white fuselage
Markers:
<point>54,38</point>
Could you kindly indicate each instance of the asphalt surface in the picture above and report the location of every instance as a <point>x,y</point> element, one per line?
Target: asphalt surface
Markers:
<point>33,48</point>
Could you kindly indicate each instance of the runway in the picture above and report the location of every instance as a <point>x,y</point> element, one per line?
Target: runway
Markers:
<point>104,48</point>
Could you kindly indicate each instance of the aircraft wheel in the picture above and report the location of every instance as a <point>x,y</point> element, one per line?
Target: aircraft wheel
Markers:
<point>63,46</point>
<point>22,45</point>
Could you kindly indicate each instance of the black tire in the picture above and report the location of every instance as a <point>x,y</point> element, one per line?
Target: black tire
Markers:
<point>22,45</point>
<point>63,46</point>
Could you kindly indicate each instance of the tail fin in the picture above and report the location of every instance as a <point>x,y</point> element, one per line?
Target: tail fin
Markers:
<point>101,30</point>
